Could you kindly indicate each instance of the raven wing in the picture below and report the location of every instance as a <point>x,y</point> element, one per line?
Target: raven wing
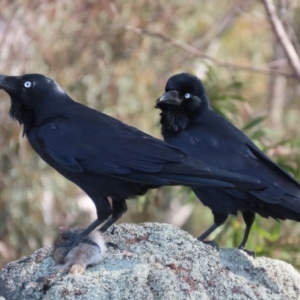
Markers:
<point>110,147</point>
<point>222,145</point>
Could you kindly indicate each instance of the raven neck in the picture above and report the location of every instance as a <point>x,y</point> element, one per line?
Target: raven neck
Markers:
<point>30,117</point>
<point>23,114</point>
<point>174,121</point>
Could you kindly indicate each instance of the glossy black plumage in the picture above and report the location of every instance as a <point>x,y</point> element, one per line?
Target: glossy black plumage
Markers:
<point>103,156</point>
<point>189,123</point>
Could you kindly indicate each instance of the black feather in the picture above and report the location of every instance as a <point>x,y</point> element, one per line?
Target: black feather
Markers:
<point>103,156</point>
<point>200,131</point>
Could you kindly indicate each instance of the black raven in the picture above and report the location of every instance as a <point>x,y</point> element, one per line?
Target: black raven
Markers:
<point>101,155</point>
<point>189,123</point>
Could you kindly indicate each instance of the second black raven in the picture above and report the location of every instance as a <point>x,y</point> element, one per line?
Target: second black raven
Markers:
<point>189,123</point>
<point>101,155</point>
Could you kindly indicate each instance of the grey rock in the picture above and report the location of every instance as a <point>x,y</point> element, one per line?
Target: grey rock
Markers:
<point>154,261</point>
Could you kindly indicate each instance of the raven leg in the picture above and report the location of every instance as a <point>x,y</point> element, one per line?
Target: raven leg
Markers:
<point>119,208</point>
<point>219,219</point>
<point>103,212</point>
<point>249,218</point>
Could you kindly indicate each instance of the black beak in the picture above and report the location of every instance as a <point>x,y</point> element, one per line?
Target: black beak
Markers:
<point>6,84</point>
<point>171,97</point>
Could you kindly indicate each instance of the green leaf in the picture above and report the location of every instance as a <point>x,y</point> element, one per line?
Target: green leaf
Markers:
<point>254,122</point>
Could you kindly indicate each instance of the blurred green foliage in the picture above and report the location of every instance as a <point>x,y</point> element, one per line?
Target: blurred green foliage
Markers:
<point>121,71</point>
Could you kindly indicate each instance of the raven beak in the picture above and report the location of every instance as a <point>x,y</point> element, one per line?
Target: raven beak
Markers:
<point>5,85</point>
<point>171,97</point>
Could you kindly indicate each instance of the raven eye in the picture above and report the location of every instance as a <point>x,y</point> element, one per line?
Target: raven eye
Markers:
<point>187,96</point>
<point>28,84</point>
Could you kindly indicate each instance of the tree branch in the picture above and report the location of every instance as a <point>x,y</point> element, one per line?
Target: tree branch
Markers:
<point>282,36</point>
<point>223,24</point>
<point>197,53</point>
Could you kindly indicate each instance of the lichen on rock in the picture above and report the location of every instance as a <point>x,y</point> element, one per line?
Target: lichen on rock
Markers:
<point>154,261</point>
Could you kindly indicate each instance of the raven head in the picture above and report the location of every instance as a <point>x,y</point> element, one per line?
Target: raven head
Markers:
<point>33,97</point>
<point>184,99</point>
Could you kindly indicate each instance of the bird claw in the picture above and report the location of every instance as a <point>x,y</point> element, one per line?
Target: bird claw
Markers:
<point>249,252</point>
<point>212,244</point>
<point>68,248</point>
<point>112,245</point>
<point>75,242</point>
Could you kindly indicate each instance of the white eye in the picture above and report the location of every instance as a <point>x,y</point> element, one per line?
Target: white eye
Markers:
<point>28,84</point>
<point>187,96</point>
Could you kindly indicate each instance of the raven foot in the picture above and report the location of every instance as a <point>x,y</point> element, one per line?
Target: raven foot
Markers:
<point>249,252</point>
<point>68,239</point>
<point>212,244</point>
<point>112,245</point>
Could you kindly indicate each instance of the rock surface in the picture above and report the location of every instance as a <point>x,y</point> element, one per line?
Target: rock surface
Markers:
<point>154,261</point>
